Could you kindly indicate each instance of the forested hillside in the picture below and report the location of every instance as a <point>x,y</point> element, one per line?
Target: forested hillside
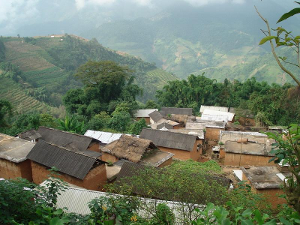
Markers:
<point>35,71</point>
<point>222,41</point>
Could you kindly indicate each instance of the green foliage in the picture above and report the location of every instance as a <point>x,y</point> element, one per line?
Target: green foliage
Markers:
<point>289,14</point>
<point>5,111</point>
<point>137,127</point>
<point>163,215</point>
<point>71,124</point>
<point>120,121</point>
<point>268,101</point>
<point>219,215</point>
<point>287,151</point>
<point>104,210</point>
<point>150,104</point>
<point>176,183</point>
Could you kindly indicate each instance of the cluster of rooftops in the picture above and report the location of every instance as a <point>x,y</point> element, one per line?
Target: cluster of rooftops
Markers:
<point>173,133</point>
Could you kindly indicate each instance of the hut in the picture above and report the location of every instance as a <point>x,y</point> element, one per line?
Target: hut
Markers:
<point>102,136</point>
<point>215,108</point>
<point>81,168</point>
<point>138,150</point>
<point>266,180</point>
<point>245,148</point>
<point>183,146</point>
<point>13,161</point>
<point>144,114</point>
<point>166,111</point>
<point>75,142</point>
<point>213,115</point>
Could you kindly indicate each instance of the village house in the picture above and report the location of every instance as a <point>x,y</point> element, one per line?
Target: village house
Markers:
<point>245,148</point>
<point>213,115</point>
<point>266,180</point>
<point>75,142</point>
<point>102,136</point>
<point>212,130</point>
<point>144,114</point>
<point>215,108</point>
<point>166,111</point>
<point>157,121</point>
<point>13,161</point>
<point>183,146</point>
<point>138,150</point>
<point>81,168</point>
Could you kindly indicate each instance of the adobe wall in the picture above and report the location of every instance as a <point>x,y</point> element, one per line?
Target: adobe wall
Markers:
<point>11,170</point>
<point>272,196</point>
<point>232,159</point>
<point>95,179</point>
<point>166,163</point>
<point>213,134</point>
<point>196,153</point>
<point>106,157</point>
<point>147,119</point>
<point>94,147</point>
<point>178,154</point>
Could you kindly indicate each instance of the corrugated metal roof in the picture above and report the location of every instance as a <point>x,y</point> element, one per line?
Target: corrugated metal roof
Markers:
<point>156,116</point>
<point>143,113</point>
<point>169,139</point>
<point>75,200</point>
<point>173,110</point>
<point>104,137</point>
<point>76,164</point>
<point>216,108</point>
<point>217,115</point>
<point>14,149</point>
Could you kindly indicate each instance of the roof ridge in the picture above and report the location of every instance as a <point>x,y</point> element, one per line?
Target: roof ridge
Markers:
<point>69,150</point>
<point>67,132</point>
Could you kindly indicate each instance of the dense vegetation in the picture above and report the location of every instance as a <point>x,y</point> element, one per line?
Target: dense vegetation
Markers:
<point>26,203</point>
<point>39,71</point>
<point>274,104</point>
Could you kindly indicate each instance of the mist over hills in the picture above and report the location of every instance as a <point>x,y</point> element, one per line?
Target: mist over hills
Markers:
<point>218,37</point>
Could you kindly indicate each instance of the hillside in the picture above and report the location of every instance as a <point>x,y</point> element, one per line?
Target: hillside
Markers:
<point>43,68</point>
<point>184,39</point>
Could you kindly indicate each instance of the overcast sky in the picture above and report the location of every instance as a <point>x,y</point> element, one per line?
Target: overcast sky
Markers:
<point>17,13</point>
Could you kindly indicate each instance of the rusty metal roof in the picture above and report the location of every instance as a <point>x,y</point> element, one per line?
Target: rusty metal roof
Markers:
<point>76,164</point>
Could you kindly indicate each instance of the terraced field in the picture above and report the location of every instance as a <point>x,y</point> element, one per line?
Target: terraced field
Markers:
<point>27,56</point>
<point>162,77</point>
<point>12,92</point>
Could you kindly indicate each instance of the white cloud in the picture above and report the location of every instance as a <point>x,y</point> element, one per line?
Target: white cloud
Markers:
<point>82,3</point>
<point>205,2</point>
<point>15,11</point>
<point>144,2</point>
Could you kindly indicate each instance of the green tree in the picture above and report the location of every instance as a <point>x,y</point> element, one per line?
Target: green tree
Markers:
<point>5,111</point>
<point>137,127</point>
<point>287,151</point>
<point>71,124</point>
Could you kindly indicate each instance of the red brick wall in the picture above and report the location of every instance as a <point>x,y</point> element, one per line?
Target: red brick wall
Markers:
<point>11,170</point>
<point>166,163</point>
<point>94,180</point>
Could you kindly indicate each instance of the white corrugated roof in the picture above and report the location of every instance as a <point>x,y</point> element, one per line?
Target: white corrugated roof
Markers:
<point>75,200</point>
<point>216,108</point>
<point>104,137</point>
<point>217,115</point>
<point>144,112</point>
